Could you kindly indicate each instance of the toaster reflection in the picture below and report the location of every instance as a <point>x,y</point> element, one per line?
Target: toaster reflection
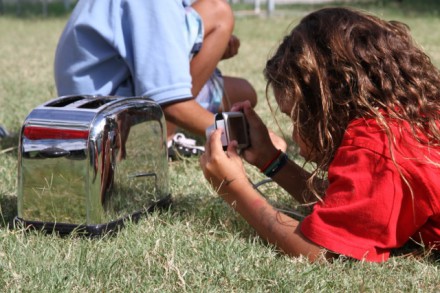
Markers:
<point>91,166</point>
<point>114,146</point>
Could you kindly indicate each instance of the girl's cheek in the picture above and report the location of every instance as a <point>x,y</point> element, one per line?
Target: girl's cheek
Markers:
<point>303,149</point>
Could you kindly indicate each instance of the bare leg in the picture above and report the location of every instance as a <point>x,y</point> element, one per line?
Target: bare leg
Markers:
<point>218,22</point>
<point>237,90</point>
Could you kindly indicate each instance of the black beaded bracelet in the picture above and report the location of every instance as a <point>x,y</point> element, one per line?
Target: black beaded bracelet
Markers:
<point>276,165</point>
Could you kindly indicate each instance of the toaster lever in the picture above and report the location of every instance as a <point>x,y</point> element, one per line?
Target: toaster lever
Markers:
<point>54,152</point>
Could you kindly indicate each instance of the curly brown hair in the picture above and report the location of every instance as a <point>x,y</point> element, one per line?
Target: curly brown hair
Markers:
<point>338,64</point>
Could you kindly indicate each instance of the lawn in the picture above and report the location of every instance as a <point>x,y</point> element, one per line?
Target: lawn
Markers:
<point>199,244</point>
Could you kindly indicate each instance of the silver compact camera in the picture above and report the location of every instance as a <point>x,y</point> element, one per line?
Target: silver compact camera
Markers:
<point>234,127</point>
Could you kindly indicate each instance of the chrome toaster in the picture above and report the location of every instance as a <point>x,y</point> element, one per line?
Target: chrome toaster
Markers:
<point>88,163</point>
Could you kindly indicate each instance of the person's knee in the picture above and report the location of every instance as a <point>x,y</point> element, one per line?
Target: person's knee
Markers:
<point>223,8</point>
<point>215,13</point>
<point>220,7</point>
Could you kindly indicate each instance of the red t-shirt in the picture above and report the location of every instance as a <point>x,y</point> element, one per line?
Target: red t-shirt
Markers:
<point>368,208</point>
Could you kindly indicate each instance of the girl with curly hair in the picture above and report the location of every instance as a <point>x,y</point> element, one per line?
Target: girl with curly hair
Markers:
<point>363,99</point>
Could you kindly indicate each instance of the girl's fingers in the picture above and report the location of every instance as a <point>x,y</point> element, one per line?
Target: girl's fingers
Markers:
<point>240,106</point>
<point>252,117</point>
<point>232,150</point>
<point>215,145</point>
<point>205,158</point>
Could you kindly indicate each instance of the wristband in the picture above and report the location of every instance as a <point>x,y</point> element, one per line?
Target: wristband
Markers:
<point>267,165</point>
<point>276,165</point>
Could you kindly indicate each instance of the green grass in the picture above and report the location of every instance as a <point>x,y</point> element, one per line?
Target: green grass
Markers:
<point>199,244</point>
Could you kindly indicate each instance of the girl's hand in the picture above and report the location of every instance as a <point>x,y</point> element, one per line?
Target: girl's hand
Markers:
<point>221,168</point>
<point>263,143</point>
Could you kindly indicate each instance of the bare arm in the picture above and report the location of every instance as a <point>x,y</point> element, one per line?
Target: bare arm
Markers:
<point>189,115</point>
<point>226,174</point>
<point>270,224</point>
<point>292,178</point>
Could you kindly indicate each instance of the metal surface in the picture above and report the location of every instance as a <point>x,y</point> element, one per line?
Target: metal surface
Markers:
<point>89,160</point>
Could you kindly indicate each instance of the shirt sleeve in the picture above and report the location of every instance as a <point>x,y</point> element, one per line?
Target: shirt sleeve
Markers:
<point>153,43</point>
<point>360,212</point>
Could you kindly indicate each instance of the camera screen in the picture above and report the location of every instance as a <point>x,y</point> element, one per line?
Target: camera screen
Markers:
<point>237,129</point>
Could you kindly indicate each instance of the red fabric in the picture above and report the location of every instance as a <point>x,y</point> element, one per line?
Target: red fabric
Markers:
<point>368,209</point>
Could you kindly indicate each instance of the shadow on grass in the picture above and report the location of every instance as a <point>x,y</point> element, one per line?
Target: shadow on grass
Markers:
<point>8,202</point>
<point>9,142</point>
<point>418,252</point>
<point>8,209</point>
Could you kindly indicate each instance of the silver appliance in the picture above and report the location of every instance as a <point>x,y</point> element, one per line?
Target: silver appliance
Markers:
<point>88,163</point>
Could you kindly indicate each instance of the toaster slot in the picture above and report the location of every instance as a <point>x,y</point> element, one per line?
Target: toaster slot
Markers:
<point>59,103</point>
<point>94,103</point>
